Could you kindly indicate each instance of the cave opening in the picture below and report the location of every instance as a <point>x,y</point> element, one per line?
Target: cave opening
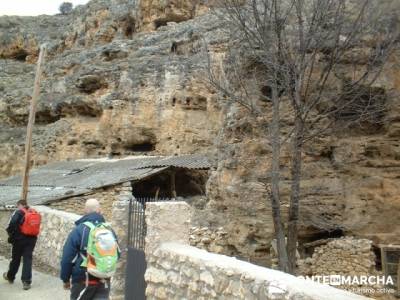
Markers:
<point>142,147</point>
<point>88,84</point>
<point>46,117</point>
<point>129,30</point>
<point>20,55</point>
<point>172,183</point>
<point>315,238</point>
<point>159,23</point>
<point>174,47</point>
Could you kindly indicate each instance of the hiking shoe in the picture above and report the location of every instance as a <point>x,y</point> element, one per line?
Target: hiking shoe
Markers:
<point>6,278</point>
<point>26,285</point>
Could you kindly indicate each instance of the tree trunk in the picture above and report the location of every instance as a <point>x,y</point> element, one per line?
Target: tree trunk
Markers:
<point>295,193</point>
<point>275,179</point>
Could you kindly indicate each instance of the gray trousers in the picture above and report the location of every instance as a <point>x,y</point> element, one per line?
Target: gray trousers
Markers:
<point>91,292</point>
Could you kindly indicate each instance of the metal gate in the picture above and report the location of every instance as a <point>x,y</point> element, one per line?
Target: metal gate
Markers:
<point>135,285</point>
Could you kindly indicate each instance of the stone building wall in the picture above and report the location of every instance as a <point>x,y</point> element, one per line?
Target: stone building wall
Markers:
<point>177,271</point>
<point>106,196</point>
<point>345,256</point>
<point>4,219</point>
<point>55,228</point>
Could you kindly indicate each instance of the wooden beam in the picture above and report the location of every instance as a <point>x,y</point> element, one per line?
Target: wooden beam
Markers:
<point>398,279</point>
<point>173,188</point>
<point>31,122</point>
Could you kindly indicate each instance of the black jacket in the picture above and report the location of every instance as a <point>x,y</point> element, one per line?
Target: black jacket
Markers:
<point>76,245</point>
<point>13,228</point>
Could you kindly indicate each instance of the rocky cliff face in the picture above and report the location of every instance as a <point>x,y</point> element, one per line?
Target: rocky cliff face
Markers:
<point>106,89</point>
<point>350,183</point>
<point>125,78</point>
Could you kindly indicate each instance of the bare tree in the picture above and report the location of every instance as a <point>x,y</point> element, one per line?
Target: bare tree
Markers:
<point>318,58</point>
<point>65,8</point>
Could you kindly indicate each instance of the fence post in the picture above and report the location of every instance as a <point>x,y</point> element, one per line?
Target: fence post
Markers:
<point>119,222</point>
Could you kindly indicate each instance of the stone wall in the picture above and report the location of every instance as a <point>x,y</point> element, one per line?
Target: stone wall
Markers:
<point>4,219</point>
<point>166,221</point>
<point>55,227</point>
<point>346,256</point>
<point>119,222</point>
<point>208,239</point>
<point>106,196</point>
<point>178,271</point>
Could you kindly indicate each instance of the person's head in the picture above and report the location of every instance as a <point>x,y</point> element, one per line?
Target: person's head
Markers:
<point>21,204</point>
<point>92,205</point>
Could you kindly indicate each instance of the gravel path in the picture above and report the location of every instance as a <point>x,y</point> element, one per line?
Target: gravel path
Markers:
<point>43,287</point>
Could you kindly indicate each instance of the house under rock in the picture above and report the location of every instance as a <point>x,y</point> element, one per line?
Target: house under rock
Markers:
<point>66,185</point>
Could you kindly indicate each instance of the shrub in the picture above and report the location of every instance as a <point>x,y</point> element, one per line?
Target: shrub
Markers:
<point>65,8</point>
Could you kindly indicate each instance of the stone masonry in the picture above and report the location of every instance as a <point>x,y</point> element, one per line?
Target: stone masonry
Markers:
<point>58,223</point>
<point>345,256</point>
<point>178,271</point>
<point>208,239</point>
<point>106,196</point>
<point>55,227</point>
<point>120,211</point>
<point>348,256</point>
<point>5,247</point>
<point>166,222</point>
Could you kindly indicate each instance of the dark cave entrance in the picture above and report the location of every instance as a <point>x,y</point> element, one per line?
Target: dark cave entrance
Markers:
<point>143,147</point>
<point>20,55</point>
<point>172,183</point>
<point>315,238</point>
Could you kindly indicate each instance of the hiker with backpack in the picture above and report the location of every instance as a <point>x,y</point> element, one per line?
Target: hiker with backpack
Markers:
<point>23,229</point>
<point>90,256</point>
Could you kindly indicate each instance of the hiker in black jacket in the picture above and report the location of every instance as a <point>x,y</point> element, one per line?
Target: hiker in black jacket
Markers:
<point>22,247</point>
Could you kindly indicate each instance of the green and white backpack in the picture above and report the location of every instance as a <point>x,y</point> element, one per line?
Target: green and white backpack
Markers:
<point>102,251</point>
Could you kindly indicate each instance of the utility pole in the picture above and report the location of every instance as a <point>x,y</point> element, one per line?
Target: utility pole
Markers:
<point>31,122</point>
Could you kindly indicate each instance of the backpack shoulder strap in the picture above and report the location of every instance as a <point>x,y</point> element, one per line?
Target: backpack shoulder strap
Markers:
<point>90,225</point>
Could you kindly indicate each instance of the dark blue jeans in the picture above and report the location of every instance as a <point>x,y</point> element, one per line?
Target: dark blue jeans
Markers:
<point>91,292</point>
<point>22,248</point>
